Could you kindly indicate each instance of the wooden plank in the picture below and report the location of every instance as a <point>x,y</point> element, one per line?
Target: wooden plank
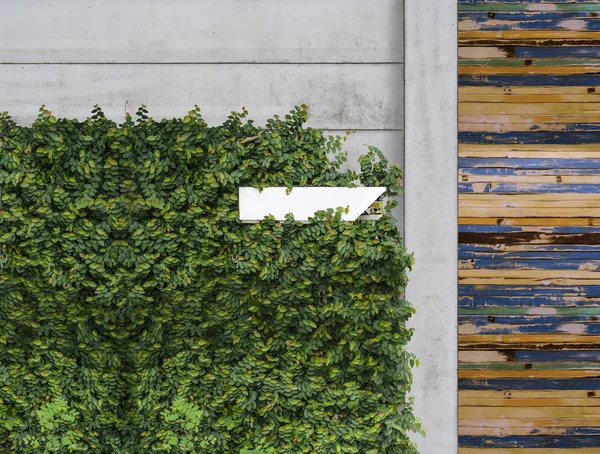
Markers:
<point>507,35</point>
<point>528,6</point>
<point>526,281</point>
<point>528,422</point>
<point>533,90</point>
<point>510,97</point>
<point>526,374</point>
<point>594,198</point>
<point>523,62</point>
<point>537,431</point>
<point>498,166</point>
<point>529,119</point>
<point>524,442</point>
<point>483,212</point>
<point>488,311</point>
<point>558,339</point>
<point>482,52</point>
<point>503,450</point>
<point>549,108</point>
<point>528,23</point>
<point>575,200</point>
<point>529,412</point>
<point>539,221</point>
<point>530,394</point>
<point>528,38</point>
<point>536,80</point>
<point>526,179</point>
<point>526,188</point>
<point>557,148</point>
<point>529,69</point>
<point>529,384</point>
<point>532,402</point>
<point>530,264</point>
<point>538,127</point>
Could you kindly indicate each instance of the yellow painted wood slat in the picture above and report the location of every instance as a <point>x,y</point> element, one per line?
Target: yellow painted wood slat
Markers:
<point>512,127</point>
<point>525,282</point>
<point>487,402</point>
<point>529,412</point>
<point>530,394</point>
<point>512,431</point>
<point>539,221</point>
<point>560,212</point>
<point>529,119</point>
<point>545,197</point>
<point>529,154</point>
<point>530,90</point>
<point>527,70</point>
<point>550,108</point>
<point>528,422</point>
<point>533,98</point>
<point>481,52</point>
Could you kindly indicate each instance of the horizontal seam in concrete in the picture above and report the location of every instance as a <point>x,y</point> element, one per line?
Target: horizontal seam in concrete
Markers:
<point>203,63</point>
<point>362,129</point>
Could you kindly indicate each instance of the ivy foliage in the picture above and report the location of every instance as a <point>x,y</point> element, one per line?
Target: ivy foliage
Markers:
<point>139,315</point>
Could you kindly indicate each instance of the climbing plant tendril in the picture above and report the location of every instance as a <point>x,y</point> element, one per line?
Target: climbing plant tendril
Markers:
<point>139,315</point>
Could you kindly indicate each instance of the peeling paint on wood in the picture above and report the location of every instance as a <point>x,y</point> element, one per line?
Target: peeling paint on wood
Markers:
<point>529,226</point>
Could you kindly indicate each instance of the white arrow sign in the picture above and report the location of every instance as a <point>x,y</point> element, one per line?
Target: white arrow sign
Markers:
<point>304,202</point>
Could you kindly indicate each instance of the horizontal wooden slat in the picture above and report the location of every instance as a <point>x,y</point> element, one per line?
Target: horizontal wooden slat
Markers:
<point>530,119</point>
<point>533,90</point>
<point>530,69</point>
<point>528,423</point>
<point>529,6</point>
<point>542,98</point>
<point>526,374</point>
<point>527,281</point>
<point>549,108</point>
<point>527,450</point>
<point>582,221</point>
<point>171,90</point>
<point>529,34</point>
<point>531,264</point>
<point>558,148</point>
<point>558,339</point>
<point>537,431</point>
<point>527,38</point>
<point>507,153</point>
<point>551,402</point>
<point>483,212</point>
<point>528,62</point>
<point>537,127</point>
<point>529,412</point>
<point>567,177</point>
<point>530,394</point>
<point>206,31</point>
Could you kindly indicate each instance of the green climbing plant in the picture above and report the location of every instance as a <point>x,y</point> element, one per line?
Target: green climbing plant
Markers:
<point>139,315</point>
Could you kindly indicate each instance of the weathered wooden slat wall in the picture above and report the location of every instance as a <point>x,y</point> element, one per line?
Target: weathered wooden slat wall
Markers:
<point>529,226</point>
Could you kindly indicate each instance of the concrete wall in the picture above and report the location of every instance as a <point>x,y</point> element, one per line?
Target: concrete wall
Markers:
<point>343,58</point>
<point>431,213</point>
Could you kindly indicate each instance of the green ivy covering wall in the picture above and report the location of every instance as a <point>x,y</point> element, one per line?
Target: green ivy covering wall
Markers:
<point>138,315</point>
